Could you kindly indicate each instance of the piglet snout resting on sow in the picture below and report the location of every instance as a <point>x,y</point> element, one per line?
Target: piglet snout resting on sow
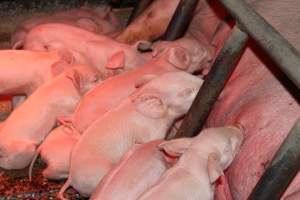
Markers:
<point>144,116</point>
<point>202,161</point>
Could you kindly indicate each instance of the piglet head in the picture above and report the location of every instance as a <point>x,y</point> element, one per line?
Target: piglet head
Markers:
<point>84,78</point>
<point>186,54</point>
<point>168,95</point>
<point>228,141</point>
<point>16,154</point>
<point>234,135</point>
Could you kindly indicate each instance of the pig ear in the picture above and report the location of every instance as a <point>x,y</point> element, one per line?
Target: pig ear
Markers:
<point>176,147</point>
<point>59,67</point>
<point>170,160</point>
<point>116,61</point>
<point>158,48</point>
<point>150,106</point>
<point>213,167</point>
<point>64,53</point>
<point>18,45</point>
<point>179,57</point>
<point>144,80</point>
<point>74,75</point>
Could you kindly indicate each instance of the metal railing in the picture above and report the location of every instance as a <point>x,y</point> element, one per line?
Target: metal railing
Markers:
<point>140,6</point>
<point>286,162</point>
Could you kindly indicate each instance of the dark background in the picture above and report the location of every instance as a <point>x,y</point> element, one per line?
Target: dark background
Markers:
<point>16,7</point>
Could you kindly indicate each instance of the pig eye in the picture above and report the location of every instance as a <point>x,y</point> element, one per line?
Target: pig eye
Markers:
<point>46,47</point>
<point>95,79</point>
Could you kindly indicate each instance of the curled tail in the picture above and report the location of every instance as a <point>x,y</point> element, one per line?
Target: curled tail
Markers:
<point>33,161</point>
<point>63,189</point>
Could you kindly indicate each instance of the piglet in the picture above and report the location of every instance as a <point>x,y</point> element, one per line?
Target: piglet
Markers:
<point>138,170</point>
<point>84,47</point>
<point>201,54</point>
<point>22,72</point>
<point>202,161</point>
<point>144,116</point>
<point>55,151</point>
<point>112,91</point>
<point>99,20</point>
<point>28,125</point>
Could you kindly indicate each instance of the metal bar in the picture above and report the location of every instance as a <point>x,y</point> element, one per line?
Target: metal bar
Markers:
<point>120,3</point>
<point>280,50</point>
<point>286,162</point>
<point>282,170</point>
<point>180,20</point>
<point>213,85</point>
<point>140,6</point>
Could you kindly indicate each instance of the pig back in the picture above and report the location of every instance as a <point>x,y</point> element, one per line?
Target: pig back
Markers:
<point>111,92</point>
<point>138,170</point>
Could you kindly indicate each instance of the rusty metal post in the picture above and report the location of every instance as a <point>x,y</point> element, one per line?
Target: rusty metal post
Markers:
<point>282,170</point>
<point>279,49</point>
<point>286,162</point>
<point>213,85</point>
<point>140,6</point>
<point>180,20</point>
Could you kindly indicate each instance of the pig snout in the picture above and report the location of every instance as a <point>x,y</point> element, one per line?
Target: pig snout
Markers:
<point>202,59</point>
<point>17,39</point>
<point>237,137</point>
<point>16,155</point>
<point>235,134</point>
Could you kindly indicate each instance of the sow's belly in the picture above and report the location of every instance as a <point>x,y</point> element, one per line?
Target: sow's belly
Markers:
<point>255,98</point>
<point>263,100</point>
